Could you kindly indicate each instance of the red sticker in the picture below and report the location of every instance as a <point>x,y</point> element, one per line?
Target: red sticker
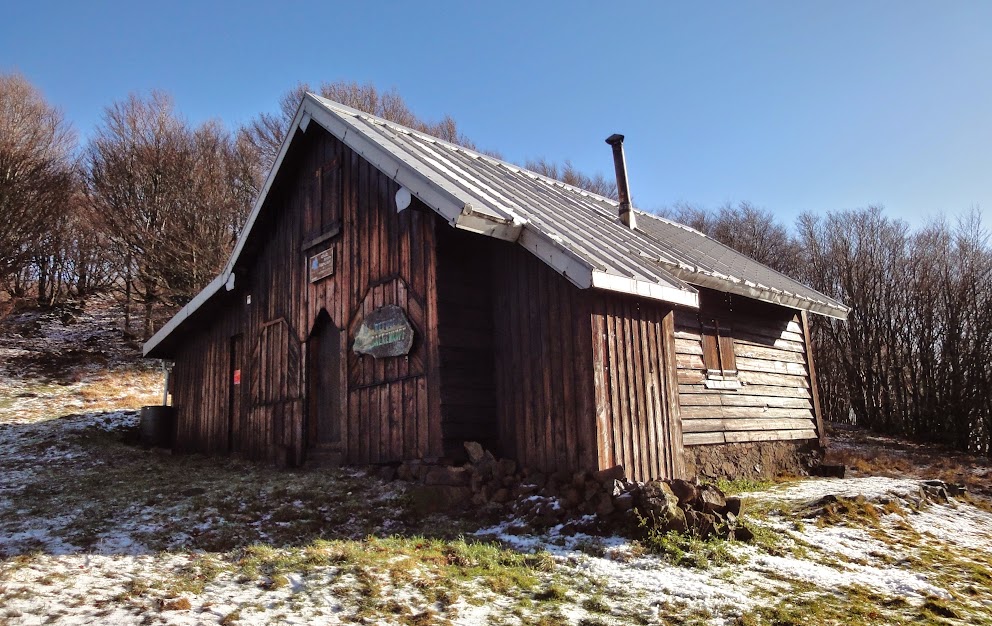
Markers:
<point>237,377</point>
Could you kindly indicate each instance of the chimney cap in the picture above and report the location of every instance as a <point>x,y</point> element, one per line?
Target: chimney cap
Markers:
<point>614,139</point>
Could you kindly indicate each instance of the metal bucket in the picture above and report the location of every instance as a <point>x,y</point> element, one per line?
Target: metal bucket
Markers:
<point>158,426</point>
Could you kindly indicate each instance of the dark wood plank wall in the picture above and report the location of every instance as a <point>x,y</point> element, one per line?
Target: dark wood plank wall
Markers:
<point>465,335</point>
<point>774,401</point>
<point>328,197</point>
<point>544,373</point>
<point>636,412</point>
<point>202,386</point>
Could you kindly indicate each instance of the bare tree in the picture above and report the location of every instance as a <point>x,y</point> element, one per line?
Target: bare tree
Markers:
<point>751,231</point>
<point>263,136</point>
<point>170,199</point>
<point>35,170</point>
<point>568,174</point>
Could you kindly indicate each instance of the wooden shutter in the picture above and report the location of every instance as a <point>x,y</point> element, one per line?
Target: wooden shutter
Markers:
<point>718,349</point>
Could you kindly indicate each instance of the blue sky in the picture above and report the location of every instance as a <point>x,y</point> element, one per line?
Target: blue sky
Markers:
<point>793,106</point>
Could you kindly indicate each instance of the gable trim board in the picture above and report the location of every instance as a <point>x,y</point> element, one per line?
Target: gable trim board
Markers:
<point>607,256</point>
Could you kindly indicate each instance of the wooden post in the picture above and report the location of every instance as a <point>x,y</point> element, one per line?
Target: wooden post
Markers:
<point>814,389</point>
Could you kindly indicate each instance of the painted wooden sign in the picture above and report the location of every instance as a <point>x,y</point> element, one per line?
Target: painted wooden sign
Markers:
<point>322,265</point>
<point>385,332</point>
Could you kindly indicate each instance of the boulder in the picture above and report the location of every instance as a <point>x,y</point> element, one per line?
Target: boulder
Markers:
<point>439,498</point>
<point>506,467</point>
<point>607,476</point>
<point>660,506</point>
<point>475,451</point>
<point>624,502</point>
<point>734,505</point>
<point>686,492</point>
<point>712,499</point>
<point>448,476</point>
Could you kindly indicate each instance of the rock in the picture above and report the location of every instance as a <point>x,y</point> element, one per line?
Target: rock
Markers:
<point>686,492</point>
<point>660,506</point>
<point>607,476</point>
<point>624,502</point>
<point>438,498</point>
<point>475,451</point>
<point>955,489</point>
<point>403,472</point>
<point>579,479</point>
<point>571,497</point>
<point>501,496</point>
<point>605,507</point>
<point>702,525</point>
<point>830,470</point>
<point>734,505</point>
<point>741,533</point>
<point>523,491</point>
<point>449,476</point>
<point>477,482</point>
<point>387,473</point>
<point>935,490</point>
<point>712,499</point>
<point>592,488</point>
<point>195,491</point>
<point>506,467</point>
<point>536,478</point>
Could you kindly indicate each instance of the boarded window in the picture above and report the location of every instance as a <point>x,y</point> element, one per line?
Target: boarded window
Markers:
<point>718,350</point>
<point>277,365</point>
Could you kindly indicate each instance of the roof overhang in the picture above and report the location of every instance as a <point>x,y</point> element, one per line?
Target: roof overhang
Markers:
<point>459,206</point>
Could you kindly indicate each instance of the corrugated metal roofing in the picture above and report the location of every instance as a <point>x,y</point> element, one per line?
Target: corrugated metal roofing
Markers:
<point>577,233</point>
<point>587,225</point>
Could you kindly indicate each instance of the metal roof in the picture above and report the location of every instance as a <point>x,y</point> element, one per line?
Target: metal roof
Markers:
<point>576,232</point>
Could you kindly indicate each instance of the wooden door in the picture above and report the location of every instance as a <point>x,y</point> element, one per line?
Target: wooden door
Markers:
<point>234,395</point>
<point>324,385</point>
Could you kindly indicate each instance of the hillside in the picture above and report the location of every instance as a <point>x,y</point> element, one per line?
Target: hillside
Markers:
<point>94,529</point>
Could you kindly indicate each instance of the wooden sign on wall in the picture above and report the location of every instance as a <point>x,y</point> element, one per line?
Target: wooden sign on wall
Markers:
<point>384,332</point>
<point>321,265</point>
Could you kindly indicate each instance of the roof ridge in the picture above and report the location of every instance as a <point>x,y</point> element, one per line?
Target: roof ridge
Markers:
<point>471,151</point>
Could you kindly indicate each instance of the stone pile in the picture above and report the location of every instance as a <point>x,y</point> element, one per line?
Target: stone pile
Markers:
<point>589,502</point>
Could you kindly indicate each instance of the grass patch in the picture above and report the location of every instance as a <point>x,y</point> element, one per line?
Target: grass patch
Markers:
<point>742,485</point>
<point>688,551</point>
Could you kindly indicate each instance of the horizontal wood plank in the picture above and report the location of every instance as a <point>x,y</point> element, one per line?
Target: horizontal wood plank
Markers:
<point>736,425</point>
<point>689,412</point>
<point>749,390</point>
<point>745,364</point>
<point>696,439</point>
<point>740,400</point>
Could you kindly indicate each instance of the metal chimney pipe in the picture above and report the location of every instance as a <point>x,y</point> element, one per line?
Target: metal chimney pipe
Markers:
<point>623,189</point>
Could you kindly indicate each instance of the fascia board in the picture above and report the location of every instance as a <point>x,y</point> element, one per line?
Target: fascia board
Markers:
<point>764,295</point>
<point>645,289</point>
<point>562,260</point>
<point>184,313</point>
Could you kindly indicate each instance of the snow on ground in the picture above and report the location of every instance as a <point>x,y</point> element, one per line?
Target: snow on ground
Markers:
<point>116,578</point>
<point>96,531</point>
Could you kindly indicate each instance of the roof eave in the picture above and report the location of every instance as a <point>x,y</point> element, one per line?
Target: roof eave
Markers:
<point>742,288</point>
<point>184,314</point>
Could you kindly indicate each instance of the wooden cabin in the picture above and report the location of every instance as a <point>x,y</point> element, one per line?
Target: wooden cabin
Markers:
<point>393,296</point>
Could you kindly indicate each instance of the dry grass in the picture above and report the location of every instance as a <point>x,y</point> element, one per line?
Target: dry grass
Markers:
<point>122,389</point>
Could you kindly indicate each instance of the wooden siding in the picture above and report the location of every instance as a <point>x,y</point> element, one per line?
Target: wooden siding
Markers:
<point>465,335</point>
<point>544,373</point>
<point>774,401</point>
<point>636,411</point>
<point>202,387</point>
<point>326,199</point>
